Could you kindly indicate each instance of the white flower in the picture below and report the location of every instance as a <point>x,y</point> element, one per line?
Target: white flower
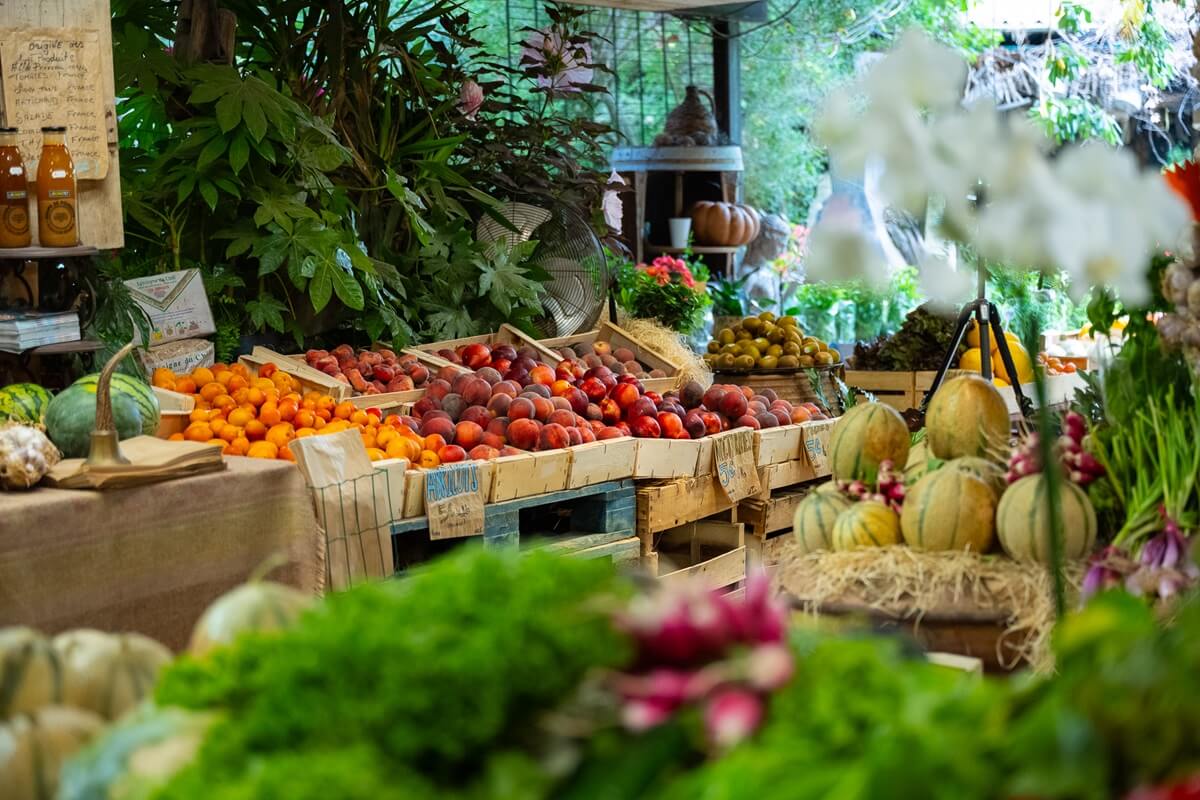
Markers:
<point>839,249</point>
<point>611,203</point>
<point>559,65</point>
<point>945,287</point>
<point>918,73</point>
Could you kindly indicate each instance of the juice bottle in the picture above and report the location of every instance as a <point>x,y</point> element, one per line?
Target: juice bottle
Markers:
<point>14,193</point>
<point>56,192</point>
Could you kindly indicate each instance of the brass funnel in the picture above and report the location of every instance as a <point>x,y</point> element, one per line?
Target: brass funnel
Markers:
<point>105,450</point>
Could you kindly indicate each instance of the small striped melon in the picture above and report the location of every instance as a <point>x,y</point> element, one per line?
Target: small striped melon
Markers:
<point>256,606</point>
<point>966,417</point>
<point>34,747</point>
<point>108,673</point>
<point>918,462</point>
<point>30,673</point>
<point>864,437</point>
<point>989,472</point>
<point>866,524</point>
<point>949,509</point>
<point>815,517</point>
<point>1023,520</point>
<point>23,402</point>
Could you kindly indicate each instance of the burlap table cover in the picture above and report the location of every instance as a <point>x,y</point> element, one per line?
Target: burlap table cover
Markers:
<point>150,559</point>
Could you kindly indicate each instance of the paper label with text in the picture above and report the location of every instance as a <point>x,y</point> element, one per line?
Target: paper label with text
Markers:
<point>816,445</point>
<point>453,501</point>
<point>733,461</point>
<point>51,77</point>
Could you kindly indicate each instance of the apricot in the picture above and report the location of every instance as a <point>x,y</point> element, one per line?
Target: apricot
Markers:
<point>428,460</point>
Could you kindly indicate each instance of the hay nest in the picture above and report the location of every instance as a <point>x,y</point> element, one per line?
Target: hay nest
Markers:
<point>909,585</point>
<point>671,346</point>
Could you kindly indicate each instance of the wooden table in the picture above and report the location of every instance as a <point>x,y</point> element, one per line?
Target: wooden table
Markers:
<point>150,559</point>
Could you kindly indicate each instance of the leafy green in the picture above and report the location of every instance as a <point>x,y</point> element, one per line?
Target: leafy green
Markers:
<point>920,344</point>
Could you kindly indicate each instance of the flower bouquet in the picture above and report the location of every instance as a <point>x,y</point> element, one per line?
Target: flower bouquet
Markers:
<point>667,289</point>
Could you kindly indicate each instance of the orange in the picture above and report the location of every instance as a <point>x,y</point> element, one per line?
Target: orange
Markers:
<point>185,385</point>
<point>281,434</point>
<point>285,453</point>
<point>202,375</point>
<point>263,450</point>
<point>303,432</point>
<point>269,414</point>
<point>358,418</point>
<point>434,442</point>
<point>198,432</point>
<point>375,454</point>
<point>241,444</point>
<point>230,432</point>
<point>210,390</point>
<point>255,430</point>
<point>344,410</point>
<point>224,377</point>
<point>304,418</point>
<point>239,417</point>
<point>429,460</point>
<point>175,437</point>
<point>161,376</point>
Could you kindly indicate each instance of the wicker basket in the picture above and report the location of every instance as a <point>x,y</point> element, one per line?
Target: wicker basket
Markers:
<point>791,385</point>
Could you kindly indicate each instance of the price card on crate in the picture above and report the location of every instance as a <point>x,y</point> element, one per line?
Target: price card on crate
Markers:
<point>734,463</point>
<point>816,445</point>
<point>453,501</point>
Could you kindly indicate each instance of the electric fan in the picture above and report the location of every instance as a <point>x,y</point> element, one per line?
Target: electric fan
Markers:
<point>569,251</point>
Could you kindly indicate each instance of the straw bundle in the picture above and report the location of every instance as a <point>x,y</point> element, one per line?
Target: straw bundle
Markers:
<point>671,346</point>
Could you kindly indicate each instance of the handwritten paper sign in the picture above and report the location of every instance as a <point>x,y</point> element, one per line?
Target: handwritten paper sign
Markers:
<point>734,463</point>
<point>453,501</point>
<point>816,445</point>
<point>51,77</point>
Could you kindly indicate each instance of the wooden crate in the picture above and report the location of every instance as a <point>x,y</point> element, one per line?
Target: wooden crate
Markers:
<point>792,386</point>
<point>671,458</point>
<point>619,337</point>
<point>896,389</point>
<point>662,505</point>
<point>310,379</point>
<point>768,522</point>
<point>506,334</point>
<point>174,412</point>
<point>709,552</point>
<point>778,445</point>
<point>598,462</point>
<point>623,551</point>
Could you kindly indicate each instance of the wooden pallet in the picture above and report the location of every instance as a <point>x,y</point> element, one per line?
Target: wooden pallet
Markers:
<point>595,517</point>
<point>709,552</point>
<point>662,505</point>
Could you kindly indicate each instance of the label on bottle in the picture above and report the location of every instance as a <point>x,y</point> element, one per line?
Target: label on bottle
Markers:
<point>17,170</point>
<point>59,193</point>
<point>15,220</point>
<point>19,194</point>
<point>58,173</point>
<point>60,217</point>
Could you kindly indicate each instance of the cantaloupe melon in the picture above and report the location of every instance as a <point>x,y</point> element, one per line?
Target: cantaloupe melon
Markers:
<point>108,673</point>
<point>967,417</point>
<point>949,509</point>
<point>30,674</point>
<point>918,462</point>
<point>865,436</point>
<point>814,520</point>
<point>1023,520</point>
<point>33,748</point>
<point>255,606</point>
<point>989,472</point>
<point>866,524</point>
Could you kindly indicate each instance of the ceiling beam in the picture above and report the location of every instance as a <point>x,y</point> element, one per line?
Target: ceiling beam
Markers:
<point>653,5</point>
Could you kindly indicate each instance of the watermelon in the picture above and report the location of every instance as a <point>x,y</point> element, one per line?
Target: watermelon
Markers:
<point>949,509</point>
<point>866,524</point>
<point>815,516</point>
<point>864,437</point>
<point>255,606</point>
<point>137,755</point>
<point>30,673</point>
<point>967,417</point>
<point>108,673</point>
<point>139,391</point>
<point>1023,520</point>
<point>34,746</point>
<point>71,417</point>
<point>24,402</point>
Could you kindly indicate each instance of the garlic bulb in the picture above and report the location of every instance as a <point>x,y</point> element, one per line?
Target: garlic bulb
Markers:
<point>26,455</point>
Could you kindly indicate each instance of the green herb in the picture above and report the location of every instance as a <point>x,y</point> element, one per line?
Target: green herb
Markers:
<point>727,297</point>
<point>920,344</point>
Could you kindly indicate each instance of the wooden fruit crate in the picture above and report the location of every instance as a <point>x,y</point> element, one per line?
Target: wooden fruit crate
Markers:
<point>790,385</point>
<point>710,552</point>
<point>896,389</point>
<point>768,521</point>
<point>619,337</point>
<point>662,505</point>
<point>506,334</point>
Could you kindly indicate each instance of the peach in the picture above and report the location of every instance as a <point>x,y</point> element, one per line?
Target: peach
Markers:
<point>505,351</point>
<point>732,405</point>
<point>501,365</point>
<point>554,437</point>
<point>625,395</point>
<point>543,408</point>
<point>783,417</point>
<point>712,398</point>
<point>460,382</point>
<point>454,405</point>
<point>509,450</point>
<point>541,374</point>
<point>657,373</point>
<point>489,374</point>
<point>437,389</point>
<point>560,387</point>
<point>448,373</point>
<point>770,395</point>
<point>575,436</point>
<point>401,383</point>
<point>655,396</point>
<point>516,375</point>
<point>578,400</point>
<point>610,412</point>
<point>523,434</point>
<point>419,373</point>
<point>467,435</point>
<point>624,354</point>
<point>433,442</point>
<point>425,405</point>
<point>691,395</point>
<point>632,367</point>
<point>586,435</point>
<point>610,433</point>
<point>412,423</point>
<point>746,390</point>
<point>499,426</point>
<point>434,414</point>
<point>694,425</point>
<point>602,348</point>
<point>755,407</point>
<point>476,355</point>
<point>623,427</point>
<point>521,408</point>
<point>642,407</point>
<point>451,453</point>
<point>800,414</point>
<point>490,439</point>
<point>767,420</point>
<point>560,403</point>
<point>592,360</point>
<point>476,392</point>
<point>746,421</point>
<point>671,425</point>
<point>712,422</point>
<point>483,452</point>
<point>438,426</point>
<point>645,427</point>
<point>499,404</point>
<point>509,388</point>
<point>561,417</point>
<point>539,389</point>
<point>593,412</point>
<point>594,388</point>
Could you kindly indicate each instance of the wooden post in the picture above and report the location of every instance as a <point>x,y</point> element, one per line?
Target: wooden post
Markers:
<point>204,32</point>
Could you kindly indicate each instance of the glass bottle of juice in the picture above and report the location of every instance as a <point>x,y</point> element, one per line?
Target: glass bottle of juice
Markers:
<point>14,193</point>
<point>57,225</point>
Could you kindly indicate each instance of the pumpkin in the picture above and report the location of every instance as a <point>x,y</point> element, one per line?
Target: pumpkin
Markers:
<point>138,390</point>
<point>949,509</point>
<point>863,438</point>
<point>23,402</point>
<point>967,417</point>
<point>71,417</point>
<point>136,755</point>
<point>30,675</point>
<point>813,522</point>
<point>1023,520</point>
<point>108,673</point>
<point>866,524</point>
<point>255,606</point>
<point>723,224</point>
<point>34,747</point>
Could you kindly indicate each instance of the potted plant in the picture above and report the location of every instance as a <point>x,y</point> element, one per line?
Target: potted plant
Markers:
<point>667,289</point>
<point>729,305</point>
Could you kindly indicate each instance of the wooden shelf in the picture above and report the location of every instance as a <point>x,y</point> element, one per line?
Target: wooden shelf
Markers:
<point>40,253</point>
<point>697,249</point>
<point>79,346</point>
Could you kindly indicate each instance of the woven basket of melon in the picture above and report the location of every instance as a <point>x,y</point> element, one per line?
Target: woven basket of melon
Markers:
<point>946,534</point>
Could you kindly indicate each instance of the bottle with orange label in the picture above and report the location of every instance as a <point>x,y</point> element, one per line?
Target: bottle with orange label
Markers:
<point>14,193</point>
<point>57,218</point>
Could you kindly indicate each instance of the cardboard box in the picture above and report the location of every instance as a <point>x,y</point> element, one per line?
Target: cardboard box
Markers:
<point>181,357</point>
<point>176,304</point>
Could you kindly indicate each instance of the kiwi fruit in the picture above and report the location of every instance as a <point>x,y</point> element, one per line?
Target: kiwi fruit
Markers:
<point>767,316</point>
<point>768,362</point>
<point>727,360</point>
<point>752,325</point>
<point>761,343</point>
<point>806,362</point>
<point>791,348</point>
<point>725,336</point>
<point>835,355</point>
<point>789,362</point>
<point>714,346</point>
<point>823,358</point>
<point>787,322</point>
<point>767,342</point>
<point>744,362</point>
<point>775,350</point>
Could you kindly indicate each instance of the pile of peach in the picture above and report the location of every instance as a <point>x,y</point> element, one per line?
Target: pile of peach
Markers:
<point>370,371</point>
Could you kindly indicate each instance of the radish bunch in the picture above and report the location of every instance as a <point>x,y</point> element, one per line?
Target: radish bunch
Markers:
<point>888,488</point>
<point>1080,466</point>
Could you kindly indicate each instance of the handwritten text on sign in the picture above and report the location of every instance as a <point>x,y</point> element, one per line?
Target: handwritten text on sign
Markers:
<point>816,445</point>
<point>733,457</point>
<point>453,501</point>
<point>51,77</point>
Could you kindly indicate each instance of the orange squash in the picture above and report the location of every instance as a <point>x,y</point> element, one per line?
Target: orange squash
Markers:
<point>722,224</point>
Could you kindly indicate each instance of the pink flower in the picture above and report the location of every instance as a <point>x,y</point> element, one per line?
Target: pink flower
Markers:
<point>470,99</point>
<point>659,273</point>
<point>557,65</point>
<point>732,715</point>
